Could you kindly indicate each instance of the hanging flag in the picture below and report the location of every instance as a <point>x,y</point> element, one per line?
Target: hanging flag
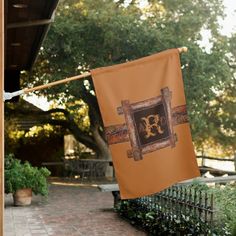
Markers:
<point>143,107</point>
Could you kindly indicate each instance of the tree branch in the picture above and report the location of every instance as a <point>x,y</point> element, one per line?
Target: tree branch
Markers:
<point>80,135</point>
<point>56,110</point>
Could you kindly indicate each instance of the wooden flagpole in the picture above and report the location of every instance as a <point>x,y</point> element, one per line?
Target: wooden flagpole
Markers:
<point>77,77</point>
<point>27,90</point>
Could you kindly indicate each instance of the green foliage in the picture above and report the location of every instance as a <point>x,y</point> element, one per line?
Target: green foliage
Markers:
<point>89,34</point>
<point>158,220</point>
<point>22,175</point>
<point>198,186</point>
<point>17,135</point>
<point>225,204</point>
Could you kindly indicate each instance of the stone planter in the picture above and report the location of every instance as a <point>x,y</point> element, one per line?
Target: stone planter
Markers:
<point>22,197</point>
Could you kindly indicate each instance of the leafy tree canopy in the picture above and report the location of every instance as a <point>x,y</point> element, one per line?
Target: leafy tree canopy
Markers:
<point>88,34</point>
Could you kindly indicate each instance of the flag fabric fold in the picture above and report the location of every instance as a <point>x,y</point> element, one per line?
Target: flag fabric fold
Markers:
<point>143,108</point>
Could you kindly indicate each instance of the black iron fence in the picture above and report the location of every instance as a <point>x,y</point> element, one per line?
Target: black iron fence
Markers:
<point>179,210</point>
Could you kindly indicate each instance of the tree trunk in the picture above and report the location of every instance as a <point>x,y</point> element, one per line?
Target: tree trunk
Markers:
<point>104,152</point>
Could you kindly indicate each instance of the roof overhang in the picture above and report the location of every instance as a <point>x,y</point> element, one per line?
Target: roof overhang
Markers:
<point>26,25</point>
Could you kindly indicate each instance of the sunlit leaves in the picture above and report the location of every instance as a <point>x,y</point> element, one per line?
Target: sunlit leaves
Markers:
<point>35,131</point>
<point>89,34</point>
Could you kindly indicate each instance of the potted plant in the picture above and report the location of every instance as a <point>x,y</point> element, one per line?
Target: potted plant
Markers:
<point>21,179</point>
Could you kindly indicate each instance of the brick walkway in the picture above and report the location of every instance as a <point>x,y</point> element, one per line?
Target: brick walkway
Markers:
<point>69,210</point>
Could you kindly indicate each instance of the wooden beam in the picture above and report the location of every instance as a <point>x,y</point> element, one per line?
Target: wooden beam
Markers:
<point>215,158</point>
<point>1,118</point>
<point>216,180</point>
<point>115,187</point>
<point>29,23</point>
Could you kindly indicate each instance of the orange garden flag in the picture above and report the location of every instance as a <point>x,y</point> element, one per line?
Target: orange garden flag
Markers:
<point>144,113</point>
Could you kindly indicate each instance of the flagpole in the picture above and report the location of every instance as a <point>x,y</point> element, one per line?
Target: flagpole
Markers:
<point>8,96</point>
<point>77,77</point>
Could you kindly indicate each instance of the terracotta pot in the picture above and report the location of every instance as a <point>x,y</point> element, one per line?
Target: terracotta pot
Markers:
<point>22,197</point>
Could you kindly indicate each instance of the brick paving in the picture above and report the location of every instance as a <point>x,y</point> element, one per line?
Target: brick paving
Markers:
<point>68,211</point>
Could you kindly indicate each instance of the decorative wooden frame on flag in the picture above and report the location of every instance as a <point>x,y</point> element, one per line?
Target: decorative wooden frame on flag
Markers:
<point>130,131</point>
<point>155,131</point>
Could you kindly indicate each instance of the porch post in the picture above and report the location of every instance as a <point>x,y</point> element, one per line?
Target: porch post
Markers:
<point>1,117</point>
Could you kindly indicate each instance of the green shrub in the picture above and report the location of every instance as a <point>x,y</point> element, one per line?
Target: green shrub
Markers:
<point>156,220</point>
<point>225,207</point>
<point>22,175</point>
